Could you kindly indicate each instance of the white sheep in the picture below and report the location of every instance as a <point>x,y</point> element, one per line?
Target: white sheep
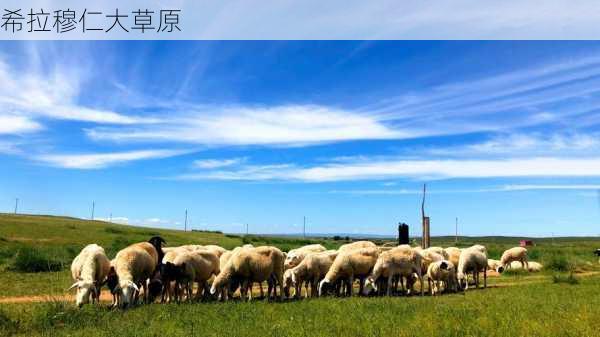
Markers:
<point>532,266</point>
<point>251,265</point>
<point>480,248</point>
<point>438,250</point>
<point>196,266</point>
<point>133,266</point>
<point>495,265</point>
<point>89,271</point>
<point>514,254</point>
<point>311,271</point>
<point>295,256</point>
<point>441,272</point>
<point>472,260</point>
<point>348,265</point>
<point>356,245</point>
<point>402,261</point>
<point>453,255</point>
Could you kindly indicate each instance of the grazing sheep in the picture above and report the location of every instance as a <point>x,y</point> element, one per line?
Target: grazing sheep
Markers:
<point>89,270</point>
<point>453,254</point>
<point>514,254</point>
<point>218,250</point>
<point>350,264</point>
<point>438,250</point>
<point>480,248</point>
<point>401,261</point>
<point>356,245</point>
<point>311,271</point>
<point>133,266</point>
<point>471,260</point>
<point>428,257</point>
<point>169,273</point>
<point>197,266</point>
<point>251,265</point>
<point>495,265</point>
<point>597,252</point>
<point>295,256</point>
<point>441,272</point>
<point>288,283</point>
<point>532,267</point>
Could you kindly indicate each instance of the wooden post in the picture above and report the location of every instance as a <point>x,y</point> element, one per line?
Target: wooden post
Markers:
<point>425,222</point>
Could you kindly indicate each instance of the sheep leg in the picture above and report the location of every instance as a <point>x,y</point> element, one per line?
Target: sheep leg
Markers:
<point>351,285</point>
<point>390,281</point>
<point>421,282</point>
<point>485,278</point>
<point>306,286</point>
<point>261,289</point>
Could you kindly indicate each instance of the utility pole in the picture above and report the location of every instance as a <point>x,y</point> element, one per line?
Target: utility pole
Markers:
<point>456,230</point>
<point>185,222</point>
<point>16,205</point>
<point>110,218</point>
<point>246,229</point>
<point>93,209</point>
<point>304,228</point>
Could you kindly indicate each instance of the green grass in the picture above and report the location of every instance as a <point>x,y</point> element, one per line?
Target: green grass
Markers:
<point>560,301</point>
<point>539,309</point>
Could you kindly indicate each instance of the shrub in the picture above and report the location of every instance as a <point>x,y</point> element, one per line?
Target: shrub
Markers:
<point>569,279</point>
<point>7,326</point>
<point>559,263</point>
<point>114,230</point>
<point>32,260</point>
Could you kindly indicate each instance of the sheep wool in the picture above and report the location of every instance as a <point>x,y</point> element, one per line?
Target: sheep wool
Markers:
<point>472,260</point>
<point>89,270</point>
<point>351,264</point>
<point>514,254</point>
<point>133,266</point>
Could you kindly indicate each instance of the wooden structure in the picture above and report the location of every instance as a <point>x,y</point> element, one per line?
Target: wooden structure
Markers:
<point>526,243</point>
<point>403,234</point>
<point>425,239</point>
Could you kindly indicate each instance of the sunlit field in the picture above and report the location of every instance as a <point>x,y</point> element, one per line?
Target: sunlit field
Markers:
<point>36,251</point>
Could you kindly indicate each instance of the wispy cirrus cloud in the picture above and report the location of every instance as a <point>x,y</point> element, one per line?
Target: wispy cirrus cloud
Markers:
<point>275,125</point>
<point>217,163</point>
<point>378,169</point>
<point>502,188</point>
<point>87,161</point>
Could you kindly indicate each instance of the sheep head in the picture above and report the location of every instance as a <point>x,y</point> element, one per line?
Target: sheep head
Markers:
<point>370,286</point>
<point>127,290</point>
<point>84,290</point>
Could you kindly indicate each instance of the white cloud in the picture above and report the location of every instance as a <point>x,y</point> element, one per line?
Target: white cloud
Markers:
<point>30,94</point>
<point>533,144</point>
<point>102,160</point>
<point>527,187</point>
<point>414,169</point>
<point>217,163</point>
<point>279,125</point>
<point>13,124</point>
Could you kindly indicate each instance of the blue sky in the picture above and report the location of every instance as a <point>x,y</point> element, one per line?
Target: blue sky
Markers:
<point>505,134</point>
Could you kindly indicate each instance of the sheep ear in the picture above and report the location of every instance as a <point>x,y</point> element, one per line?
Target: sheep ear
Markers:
<point>75,285</point>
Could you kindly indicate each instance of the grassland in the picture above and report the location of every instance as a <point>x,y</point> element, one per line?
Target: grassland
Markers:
<point>517,304</point>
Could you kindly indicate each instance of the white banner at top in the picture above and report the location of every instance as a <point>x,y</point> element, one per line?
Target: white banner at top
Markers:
<point>299,20</point>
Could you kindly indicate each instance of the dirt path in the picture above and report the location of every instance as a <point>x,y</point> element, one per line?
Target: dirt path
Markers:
<point>106,297</point>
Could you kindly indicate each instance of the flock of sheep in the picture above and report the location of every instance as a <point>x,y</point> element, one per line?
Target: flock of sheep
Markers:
<point>169,273</point>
